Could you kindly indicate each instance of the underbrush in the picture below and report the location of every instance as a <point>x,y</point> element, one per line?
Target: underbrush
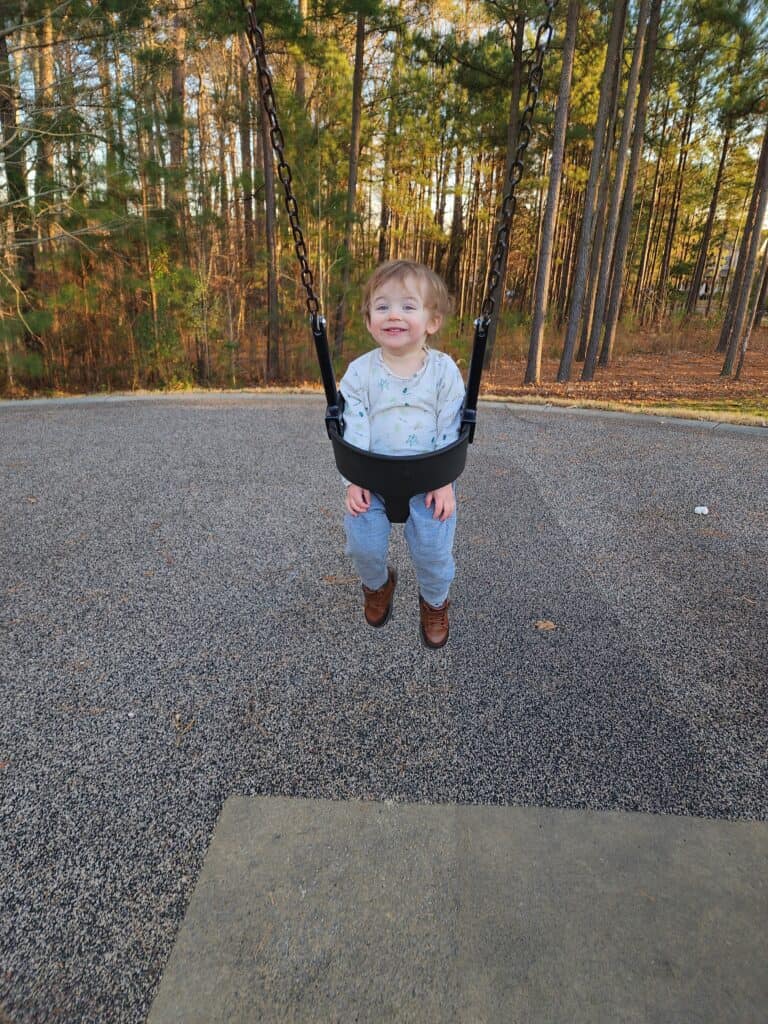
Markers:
<point>687,344</point>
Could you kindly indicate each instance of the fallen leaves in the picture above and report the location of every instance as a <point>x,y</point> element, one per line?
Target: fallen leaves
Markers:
<point>687,375</point>
<point>181,727</point>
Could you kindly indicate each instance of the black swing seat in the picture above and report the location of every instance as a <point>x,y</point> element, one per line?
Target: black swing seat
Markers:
<point>396,478</point>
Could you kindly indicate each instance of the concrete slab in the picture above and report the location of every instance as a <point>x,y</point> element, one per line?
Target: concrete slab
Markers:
<point>315,910</point>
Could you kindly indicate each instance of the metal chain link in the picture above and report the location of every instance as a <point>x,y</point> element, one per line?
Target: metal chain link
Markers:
<point>509,202</point>
<point>256,40</point>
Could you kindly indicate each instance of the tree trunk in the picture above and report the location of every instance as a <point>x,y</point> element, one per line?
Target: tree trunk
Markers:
<point>456,243</point>
<point>205,162</point>
<point>14,159</point>
<point>246,159</point>
<point>560,250</point>
<point>625,221</point>
<point>750,246</point>
<point>701,262</point>
<point>599,226</point>
<point>272,369</point>
<point>533,370</point>
<point>20,214</point>
<point>114,158</point>
<point>638,297</point>
<point>354,159</point>
<point>732,264</point>
<point>715,275</point>
<point>762,298</point>
<point>609,238</point>
<point>662,298</point>
<point>441,179</point>
<point>385,215</point>
<point>648,307</point>
<point>472,270</point>
<point>176,134</point>
<point>755,314</point>
<point>610,71</point>
<point>237,243</point>
<point>45,101</point>
<point>155,147</point>
<point>301,70</point>
<point>574,213</point>
<point>156,371</point>
<point>736,266</point>
<point>119,103</point>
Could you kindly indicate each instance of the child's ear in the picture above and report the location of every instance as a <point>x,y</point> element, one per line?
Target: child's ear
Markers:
<point>435,323</point>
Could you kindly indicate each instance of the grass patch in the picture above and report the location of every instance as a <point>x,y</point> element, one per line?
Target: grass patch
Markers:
<point>745,413</point>
<point>742,407</point>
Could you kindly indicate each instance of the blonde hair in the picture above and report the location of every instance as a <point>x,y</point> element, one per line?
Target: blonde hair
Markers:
<point>433,291</point>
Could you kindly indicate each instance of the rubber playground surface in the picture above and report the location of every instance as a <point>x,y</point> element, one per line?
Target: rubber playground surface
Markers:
<point>180,632</point>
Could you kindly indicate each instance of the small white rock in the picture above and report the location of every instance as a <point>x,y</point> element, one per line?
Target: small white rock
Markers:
<point>701,510</point>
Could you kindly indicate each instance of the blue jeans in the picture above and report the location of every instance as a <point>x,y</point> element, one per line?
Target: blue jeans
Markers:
<point>429,541</point>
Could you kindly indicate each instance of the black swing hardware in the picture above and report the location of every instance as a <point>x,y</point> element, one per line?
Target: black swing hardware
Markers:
<point>334,418</point>
<point>469,417</point>
<point>398,477</point>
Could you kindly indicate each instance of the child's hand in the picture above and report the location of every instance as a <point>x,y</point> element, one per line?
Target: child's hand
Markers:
<point>357,500</point>
<point>445,502</point>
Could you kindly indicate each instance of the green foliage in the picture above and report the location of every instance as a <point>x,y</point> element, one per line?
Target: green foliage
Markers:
<point>11,329</point>
<point>219,17</point>
<point>29,365</point>
<point>140,272</point>
<point>38,321</point>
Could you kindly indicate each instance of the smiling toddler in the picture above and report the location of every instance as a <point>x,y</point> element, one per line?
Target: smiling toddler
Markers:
<point>403,398</point>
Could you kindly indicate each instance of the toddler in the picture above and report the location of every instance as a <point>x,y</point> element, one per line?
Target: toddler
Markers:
<point>403,398</point>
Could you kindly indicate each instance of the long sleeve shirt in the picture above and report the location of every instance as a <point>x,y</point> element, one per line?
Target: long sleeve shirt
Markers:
<point>394,415</point>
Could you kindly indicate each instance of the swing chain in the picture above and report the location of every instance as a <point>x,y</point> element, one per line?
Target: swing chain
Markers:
<point>256,40</point>
<point>509,203</point>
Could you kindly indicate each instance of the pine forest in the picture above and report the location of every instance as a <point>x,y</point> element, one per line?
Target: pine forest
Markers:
<point>144,235</point>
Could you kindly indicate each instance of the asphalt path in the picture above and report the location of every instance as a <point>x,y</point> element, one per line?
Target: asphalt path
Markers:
<point>178,624</point>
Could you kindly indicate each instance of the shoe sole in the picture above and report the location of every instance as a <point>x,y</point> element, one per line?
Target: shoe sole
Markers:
<point>384,621</point>
<point>431,646</point>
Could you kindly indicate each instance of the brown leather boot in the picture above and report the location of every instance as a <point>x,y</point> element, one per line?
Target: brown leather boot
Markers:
<point>378,603</point>
<point>434,623</point>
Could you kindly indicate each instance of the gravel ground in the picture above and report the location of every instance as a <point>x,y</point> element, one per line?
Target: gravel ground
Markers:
<point>178,623</point>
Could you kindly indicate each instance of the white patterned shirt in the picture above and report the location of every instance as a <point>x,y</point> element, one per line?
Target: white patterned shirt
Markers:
<point>394,415</point>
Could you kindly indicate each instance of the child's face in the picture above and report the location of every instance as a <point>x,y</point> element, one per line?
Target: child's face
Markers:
<point>398,320</point>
